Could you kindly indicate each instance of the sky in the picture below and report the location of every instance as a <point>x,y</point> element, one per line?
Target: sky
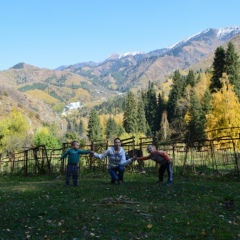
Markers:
<point>52,33</point>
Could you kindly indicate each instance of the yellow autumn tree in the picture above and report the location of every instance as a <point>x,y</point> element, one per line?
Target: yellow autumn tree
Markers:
<point>14,132</point>
<point>225,111</point>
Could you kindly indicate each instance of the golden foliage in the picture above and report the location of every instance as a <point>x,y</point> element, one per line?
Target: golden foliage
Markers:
<point>202,85</point>
<point>80,95</point>
<point>39,94</point>
<point>104,117</point>
<point>14,131</point>
<point>225,110</point>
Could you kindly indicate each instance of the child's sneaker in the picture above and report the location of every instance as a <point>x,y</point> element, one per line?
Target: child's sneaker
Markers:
<point>168,183</point>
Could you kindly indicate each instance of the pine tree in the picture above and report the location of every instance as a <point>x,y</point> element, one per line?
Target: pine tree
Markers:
<point>94,127</point>
<point>190,80</point>
<point>218,69</point>
<point>151,109</point>
<point>232,67</point>
<point>112,128</point>
<point>130,114</point>
<point>74,124</point>
<point>207,101</point>
<point>175,94</point>
<point>161,106</point>
<point>197,119</point>
<point>69,126</point>
<point>80,127</point>
<point>141,119</point>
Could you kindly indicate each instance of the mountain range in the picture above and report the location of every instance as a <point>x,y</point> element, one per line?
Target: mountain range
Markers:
<point>45,91</point>
<point>133,70</point>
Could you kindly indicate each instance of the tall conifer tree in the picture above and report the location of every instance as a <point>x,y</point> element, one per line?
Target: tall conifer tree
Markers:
<point>81,128</point>
<point>232,67</point>
<point>175,94</point>
<point>218,69</point>
<point>151,109</point>
<point>141,119</point>
<point>94,127</point>
<point>197,120</point>
<point>112,128</point>
<point>130,114</point>
<point>161,106</point>
<point>190,78</point>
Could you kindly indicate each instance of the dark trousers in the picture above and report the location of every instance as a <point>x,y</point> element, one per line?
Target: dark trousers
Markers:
<point>72,171</point>
<point>116,173</point>
<point>167,166</point>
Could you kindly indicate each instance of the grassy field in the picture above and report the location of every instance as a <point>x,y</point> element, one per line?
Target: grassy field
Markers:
<point>41,207</point>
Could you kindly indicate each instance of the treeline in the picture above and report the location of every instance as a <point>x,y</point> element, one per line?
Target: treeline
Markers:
<point>197,102</point>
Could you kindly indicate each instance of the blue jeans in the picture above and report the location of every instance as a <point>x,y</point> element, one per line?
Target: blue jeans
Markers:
<point>116,173</point>
<point>72,171</point>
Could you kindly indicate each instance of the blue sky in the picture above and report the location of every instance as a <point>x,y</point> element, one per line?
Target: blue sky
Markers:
<point>51,33</point>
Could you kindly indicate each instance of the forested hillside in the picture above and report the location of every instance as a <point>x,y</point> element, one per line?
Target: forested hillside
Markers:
<point>186,105</point>
<point>197,102</point>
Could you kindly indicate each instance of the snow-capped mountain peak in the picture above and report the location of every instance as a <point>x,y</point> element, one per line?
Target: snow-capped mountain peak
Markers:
<point>178,44</point>
<point>223,34</point>
<point>121,55</point>
<point>227,32</point>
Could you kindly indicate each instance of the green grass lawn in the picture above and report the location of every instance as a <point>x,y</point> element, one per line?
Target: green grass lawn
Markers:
<point>42,207</point>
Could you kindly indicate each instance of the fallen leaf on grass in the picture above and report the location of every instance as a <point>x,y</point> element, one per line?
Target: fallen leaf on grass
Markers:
<point>203,232</point>
<point>149,225</point>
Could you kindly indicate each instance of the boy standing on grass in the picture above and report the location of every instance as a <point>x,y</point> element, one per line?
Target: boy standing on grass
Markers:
<point>163,159</point>
<point>73,154</point>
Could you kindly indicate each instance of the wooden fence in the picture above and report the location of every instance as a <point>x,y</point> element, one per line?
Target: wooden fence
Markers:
<point>218,155</point>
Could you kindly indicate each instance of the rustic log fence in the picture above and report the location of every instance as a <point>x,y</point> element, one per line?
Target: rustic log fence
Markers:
<point>220,155</point>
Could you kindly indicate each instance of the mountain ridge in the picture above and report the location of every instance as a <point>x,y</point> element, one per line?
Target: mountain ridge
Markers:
<point>90,83</point>
<point>135,70</point>
<point>222,33</point>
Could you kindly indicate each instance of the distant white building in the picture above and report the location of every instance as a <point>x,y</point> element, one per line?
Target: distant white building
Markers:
<point>72,106</point>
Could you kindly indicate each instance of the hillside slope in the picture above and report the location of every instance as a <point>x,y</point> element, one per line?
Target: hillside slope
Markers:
<point>207,62</point>
<point>37,112</point>
<point>55,88</point>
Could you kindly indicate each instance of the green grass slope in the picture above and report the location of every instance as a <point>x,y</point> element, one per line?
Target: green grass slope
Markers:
<point>192,208</point>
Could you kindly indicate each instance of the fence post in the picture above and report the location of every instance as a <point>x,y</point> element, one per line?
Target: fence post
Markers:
<point>48,161</point>
<point>185,158</point>
<point>26,162</point>
<point>106,161</point>
<point>192,159</point>
<point>13,163</point>
<point>213,156</point>
<point>91,157</point>
<point>235,155</point>
<point>173,158</point>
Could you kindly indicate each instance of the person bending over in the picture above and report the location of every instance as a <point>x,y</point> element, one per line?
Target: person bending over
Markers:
<point>163,159</point>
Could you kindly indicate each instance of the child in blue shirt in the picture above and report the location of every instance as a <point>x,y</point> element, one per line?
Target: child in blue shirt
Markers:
<point>73,154</point>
